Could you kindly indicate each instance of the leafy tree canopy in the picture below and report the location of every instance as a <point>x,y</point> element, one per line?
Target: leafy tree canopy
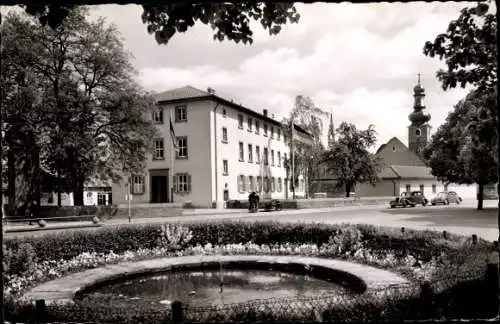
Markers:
<point>464,150</point>
<point>349,158</point>
<point>309,117</point>
<point>91,117</point>
<point>229,21</point>
<point>469,49</point>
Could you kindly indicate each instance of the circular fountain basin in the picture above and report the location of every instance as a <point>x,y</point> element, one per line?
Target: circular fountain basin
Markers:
<point>197,278</point>
<point>203,287</point>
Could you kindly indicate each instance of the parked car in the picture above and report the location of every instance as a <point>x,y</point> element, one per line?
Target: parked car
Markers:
<point>271,204</point>
<point>409,199</point>
<point>445,198</point>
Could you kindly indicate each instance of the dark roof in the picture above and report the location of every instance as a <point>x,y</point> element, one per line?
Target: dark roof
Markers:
<point>181,93</point>
<point>407,172</point>
<point>388,173</point>
<point>189,94</point>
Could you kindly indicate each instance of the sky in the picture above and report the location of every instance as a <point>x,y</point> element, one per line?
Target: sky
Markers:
<point>358,61</point>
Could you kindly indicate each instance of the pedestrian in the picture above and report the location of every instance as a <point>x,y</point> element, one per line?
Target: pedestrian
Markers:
<point>251,199</point>
<point>33,212</point>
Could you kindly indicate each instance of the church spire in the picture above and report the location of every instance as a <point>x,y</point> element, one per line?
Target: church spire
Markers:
<point>331,131</point>
<point>418,117</point>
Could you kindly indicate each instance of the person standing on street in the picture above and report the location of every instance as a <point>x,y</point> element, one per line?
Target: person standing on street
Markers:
<point>33,212</point>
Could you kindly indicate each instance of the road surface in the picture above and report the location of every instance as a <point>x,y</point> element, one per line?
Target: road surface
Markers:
<point>462,219</point>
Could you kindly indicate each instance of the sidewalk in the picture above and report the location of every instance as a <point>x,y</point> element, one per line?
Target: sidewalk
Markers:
<point>192,216</point>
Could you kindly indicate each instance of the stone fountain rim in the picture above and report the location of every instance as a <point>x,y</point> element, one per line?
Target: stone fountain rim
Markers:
<point>68,288</point>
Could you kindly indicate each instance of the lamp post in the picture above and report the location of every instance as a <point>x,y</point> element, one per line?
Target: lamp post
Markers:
<point>128,195</point>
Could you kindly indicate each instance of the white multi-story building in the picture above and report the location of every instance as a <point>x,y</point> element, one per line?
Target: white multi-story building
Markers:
<point>224,151</point>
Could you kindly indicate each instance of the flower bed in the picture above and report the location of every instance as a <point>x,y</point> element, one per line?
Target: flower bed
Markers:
<point>421,256</point>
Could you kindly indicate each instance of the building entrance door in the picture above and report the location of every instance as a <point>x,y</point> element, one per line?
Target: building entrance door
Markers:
<point>159,189</point>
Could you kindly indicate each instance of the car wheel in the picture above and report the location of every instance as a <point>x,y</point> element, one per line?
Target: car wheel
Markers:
<point>413,205</point>
<point>447,202</point>
<point>424,202</point>
<point>433,204</point>
<point>458,201</point>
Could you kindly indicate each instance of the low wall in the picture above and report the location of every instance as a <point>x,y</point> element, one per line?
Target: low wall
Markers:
<point>148,210</point>
<point>317,202</point>
<point>336,202</point>
<point>106,212</point>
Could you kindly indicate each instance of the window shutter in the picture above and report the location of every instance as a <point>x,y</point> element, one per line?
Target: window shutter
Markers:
<point>243,184</point>
<point>175,182</point>
<point>143,184</point>
<point>189,182</point>
<point>131,186</point>
<point>238,181</point>
<point>186,146</point>
<point>249,184</point>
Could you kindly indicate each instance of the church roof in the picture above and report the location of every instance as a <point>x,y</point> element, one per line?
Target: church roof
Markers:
<point>406,172</point>
<point>401,156</point>
<point>412,172</point>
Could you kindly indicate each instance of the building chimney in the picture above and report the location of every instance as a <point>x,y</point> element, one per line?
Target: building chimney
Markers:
<point>210,90</point>
<point>272,116</point>
<point>264,112</point>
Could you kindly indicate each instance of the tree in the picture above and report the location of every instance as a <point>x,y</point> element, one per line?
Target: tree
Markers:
<point>461,149</point>
<point>96,118</point>
<point>308,117</point>
<point>22,117</point>
<point>350,159</point>
<point>469,49</point>
<point>228,20</point>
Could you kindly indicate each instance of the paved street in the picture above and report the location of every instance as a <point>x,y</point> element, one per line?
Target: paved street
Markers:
<point>461,219</point>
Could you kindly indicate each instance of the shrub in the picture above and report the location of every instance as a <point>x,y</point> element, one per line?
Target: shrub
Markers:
<point>66,245</point>
<point>273,238</point>
<point>19,259</point>
<point>174,236</point>
<point>344,240</point>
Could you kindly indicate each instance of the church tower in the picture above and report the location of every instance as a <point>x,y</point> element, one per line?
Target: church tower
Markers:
<point>419,129</point>
<point>331,132</point>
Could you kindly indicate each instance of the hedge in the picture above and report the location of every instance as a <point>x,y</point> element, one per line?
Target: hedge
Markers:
<point>454,302</point>
<point>66,245</point>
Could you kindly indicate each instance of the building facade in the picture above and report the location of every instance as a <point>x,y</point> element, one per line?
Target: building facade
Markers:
<point>95,193</point>
<point>211,150</point>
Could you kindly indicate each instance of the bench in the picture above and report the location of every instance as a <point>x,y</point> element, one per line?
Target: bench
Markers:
<point>319,195</point>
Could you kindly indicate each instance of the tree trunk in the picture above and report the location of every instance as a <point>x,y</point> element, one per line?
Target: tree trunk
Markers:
<point>480,196</point>
<point>78,193</point>
<point>36,179</point>
<point>11,182</point>
<point>59,199</point>
<point>348,188</point>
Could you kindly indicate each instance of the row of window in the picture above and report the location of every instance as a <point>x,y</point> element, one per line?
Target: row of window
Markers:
<point>253,124</point>
<point>421,187</point>
<point>265,156</point>
<point>270,184</point>
<point>252,183</point>
<point>182,183</point>
<point>181,152</point>
<point>180,114</point>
